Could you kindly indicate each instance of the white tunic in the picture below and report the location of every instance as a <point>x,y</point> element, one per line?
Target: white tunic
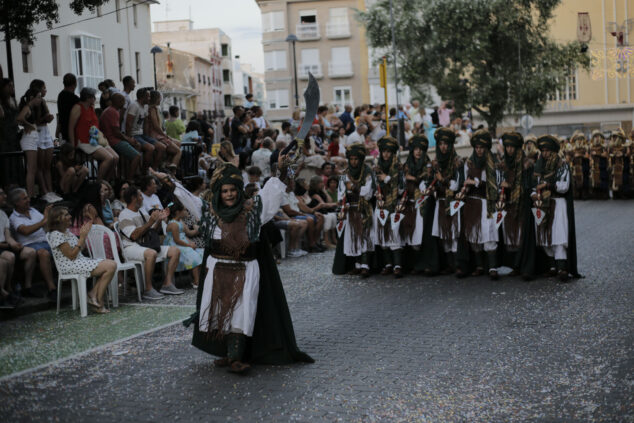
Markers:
<point>350,248</point>
<point>416,237</point>
<point>488,229</point>
<point>455,231</point>
<point>560,218</point>
<point>243,318</point>
<point>394,243</point>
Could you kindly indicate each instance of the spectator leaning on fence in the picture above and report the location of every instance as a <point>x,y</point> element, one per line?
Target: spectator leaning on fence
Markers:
<point>155,128</point>
<point>136,125</point>
<point>45,144</point>
<point>27,223</point>
<point>135,226</point>
<point>125,146</point>
<point>8,249</point>
<point>83,132</point>
<point>174,126</point>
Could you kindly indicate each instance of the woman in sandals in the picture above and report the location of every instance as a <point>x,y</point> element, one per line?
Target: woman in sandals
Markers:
<point>67,248</point>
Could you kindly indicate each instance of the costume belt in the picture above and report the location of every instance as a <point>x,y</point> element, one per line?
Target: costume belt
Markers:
<point>216,252</point>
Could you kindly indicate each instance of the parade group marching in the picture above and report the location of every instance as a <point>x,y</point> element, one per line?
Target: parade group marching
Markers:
<point>511,206</point>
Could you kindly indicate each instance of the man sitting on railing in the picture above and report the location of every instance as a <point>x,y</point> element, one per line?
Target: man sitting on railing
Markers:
<point>124,145</point>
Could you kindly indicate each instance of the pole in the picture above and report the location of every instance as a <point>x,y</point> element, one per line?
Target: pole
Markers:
<point>383,79</point>
<point>295,71</point>
<point>154,60</point>
<point>7,42</point>
<point>401,123</point>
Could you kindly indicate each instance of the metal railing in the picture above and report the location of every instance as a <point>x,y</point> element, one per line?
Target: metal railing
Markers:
<point>314,68</point>
<point>308,31</point>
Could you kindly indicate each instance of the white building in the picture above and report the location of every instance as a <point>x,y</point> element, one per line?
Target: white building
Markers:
<point>246,81</point>
<point>110,43</point>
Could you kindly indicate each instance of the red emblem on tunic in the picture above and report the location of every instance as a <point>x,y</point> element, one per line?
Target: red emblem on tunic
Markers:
<point>539,213</point>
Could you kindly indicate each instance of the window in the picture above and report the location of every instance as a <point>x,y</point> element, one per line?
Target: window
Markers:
<point>199,78</point>
<point>342,96</point>
<point>338,16</point>
<point>55,54</point>
<point>308,16</point>
<point>26,57</point>
<point>134,15</point>
<point>120,62</point>
<point>225,50</point>
<point>278,99</point>
<point>569,91</point>
<point>227,100</point>
<point>310,62</point>
<point>137,62</point>
<point>226,75</point>
<point>272,21</point>
<point>87,61</point>
<point>275,60</point>
<point>103,56</point>
<point>117,8</point>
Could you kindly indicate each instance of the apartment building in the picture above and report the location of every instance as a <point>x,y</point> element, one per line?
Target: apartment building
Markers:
<point>330,44</point>
<point>602,97</point>
<point>109,43</point>
<point>205,43</point>
<point>248,81</point>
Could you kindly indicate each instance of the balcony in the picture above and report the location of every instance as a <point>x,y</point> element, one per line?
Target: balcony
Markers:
<point>308,31</point>
<point>337,30</point>
<point>314,68</point>
<point>340,69</point>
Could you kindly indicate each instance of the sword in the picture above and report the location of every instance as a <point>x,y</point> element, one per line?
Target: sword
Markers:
<point>311,97</point>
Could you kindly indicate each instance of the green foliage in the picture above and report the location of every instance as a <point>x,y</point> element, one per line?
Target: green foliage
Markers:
<point>18,17</point>
<point>471,50</point>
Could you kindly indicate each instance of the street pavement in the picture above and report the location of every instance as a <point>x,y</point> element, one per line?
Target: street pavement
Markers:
<point>414,349</point>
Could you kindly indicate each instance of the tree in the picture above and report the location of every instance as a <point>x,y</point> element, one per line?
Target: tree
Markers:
<point>20,16</point>
<point>495,56</point>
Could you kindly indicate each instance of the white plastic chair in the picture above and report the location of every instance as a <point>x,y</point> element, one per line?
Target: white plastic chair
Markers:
<point>97,237</point>
<point>78,284</point>
<point>140,264</point>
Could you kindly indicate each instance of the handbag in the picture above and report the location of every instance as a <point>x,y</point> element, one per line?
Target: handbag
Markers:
<point>150,239</point>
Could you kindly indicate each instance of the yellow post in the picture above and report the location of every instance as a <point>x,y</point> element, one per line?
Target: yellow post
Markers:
<point>383,78</point>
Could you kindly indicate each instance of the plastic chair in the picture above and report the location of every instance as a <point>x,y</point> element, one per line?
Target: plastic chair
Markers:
<point>97,237</point>
<point>78,284</point>
<point>140,264</point>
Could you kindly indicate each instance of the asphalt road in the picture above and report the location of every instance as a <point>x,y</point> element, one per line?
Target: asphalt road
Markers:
<point>416,349</point>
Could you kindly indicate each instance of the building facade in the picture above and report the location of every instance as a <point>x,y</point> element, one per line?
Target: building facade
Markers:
<point>110,43</point>
<point>210,44</point>
<point>248,81</point>
<point>600,98</point>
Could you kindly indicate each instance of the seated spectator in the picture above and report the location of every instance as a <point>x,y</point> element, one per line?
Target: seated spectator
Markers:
<point>204,164</point>
<point>279,147</point>
<point>72,175</point>
<point>135,126</point>
<point>27,224</point>
<point>310,208</point>
<point>332,188</point>
<point>8,249</point>
<point>119,203</point>
<point>125,146</point>
<point>155,128</point>
<point>67,250</point>
<point>290,206</point>
<point>134,226</point>
<point>105,97</point>
<point>191,256</point>
<point>148,188</point>
<point>174,126</point>
<point>80,126</point>
<point>295,230</point>
<point>254,175</point>
<point>196,186</point>
<point>262,157</point>
<point>285,135</point>
<point>327,170</point>
<point>318,197</point>
<point>106,209</point>
<point>226,154</point>
<point>192,133</point>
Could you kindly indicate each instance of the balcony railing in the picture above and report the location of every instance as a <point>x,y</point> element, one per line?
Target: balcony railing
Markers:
<point>314,68</point>
<point>340,69</point>
<point>337,30</point>
<point>308,31</point>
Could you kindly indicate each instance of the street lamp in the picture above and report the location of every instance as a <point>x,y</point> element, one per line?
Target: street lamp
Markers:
<point>154,51</point>
<point>292,39</point>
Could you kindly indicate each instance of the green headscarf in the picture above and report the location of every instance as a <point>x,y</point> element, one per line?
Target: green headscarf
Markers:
<point>356,150</point>
<point>227,174</point>
<point>416,167</point>
<point>447,160</point>
<point>487,163</point>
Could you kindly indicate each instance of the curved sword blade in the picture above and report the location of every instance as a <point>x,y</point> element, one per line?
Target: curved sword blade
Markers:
<point>311,97</point>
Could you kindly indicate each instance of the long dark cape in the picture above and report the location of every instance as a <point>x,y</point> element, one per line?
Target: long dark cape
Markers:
<point>273,340</point>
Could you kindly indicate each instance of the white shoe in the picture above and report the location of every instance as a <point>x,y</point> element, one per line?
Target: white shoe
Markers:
<point>50,197</point>
<point>302,252</point>
<point>294,254</point>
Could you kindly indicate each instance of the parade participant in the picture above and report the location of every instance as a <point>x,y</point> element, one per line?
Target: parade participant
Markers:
<point>599,161</point>
<point>551,194</point>
<point>242,315</point>
<point>480,193</point>
<point>619,163</point>
<point>356,188</point>
<point>412,231</point>
<point>580,165</point>
<point>515,176</point>
<point>388,199</point>
<point>448,174</point>
<point>530,148</point>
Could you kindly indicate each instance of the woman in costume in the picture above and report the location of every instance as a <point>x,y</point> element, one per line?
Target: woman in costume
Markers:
<point>580,165</point>
<point>388,205</point>
<point>619,165</point>
<point>242,315</point>
<point>599,163</point>
<point>356,188</point>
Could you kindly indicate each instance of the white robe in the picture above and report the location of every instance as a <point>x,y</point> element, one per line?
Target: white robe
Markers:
<point>349,246</point>
<point>560,217</point>
<point>416,237</point>
<point>243,318</point>
<point>455,234</point>
<point>488,230</point>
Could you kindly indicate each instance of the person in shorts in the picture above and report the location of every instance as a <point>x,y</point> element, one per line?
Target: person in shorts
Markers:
<point>135,123</point>
<point>124,145</point>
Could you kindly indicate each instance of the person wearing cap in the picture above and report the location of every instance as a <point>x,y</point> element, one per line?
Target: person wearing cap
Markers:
<point>449,176</point>
<point>580,164</point>
<point>515,175</point>
<point>388,198</point>
<point>552,195</point>
<point>480,194</point>
<point>599,162</point>
<point>619,165</point>
<point>412,231</point>
<point>355,190</point>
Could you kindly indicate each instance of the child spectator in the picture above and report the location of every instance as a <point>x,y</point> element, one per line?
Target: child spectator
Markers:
<point>174,126</point>
<point>177,236</point>
<point>71,174</point>
<point>119,204</point>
